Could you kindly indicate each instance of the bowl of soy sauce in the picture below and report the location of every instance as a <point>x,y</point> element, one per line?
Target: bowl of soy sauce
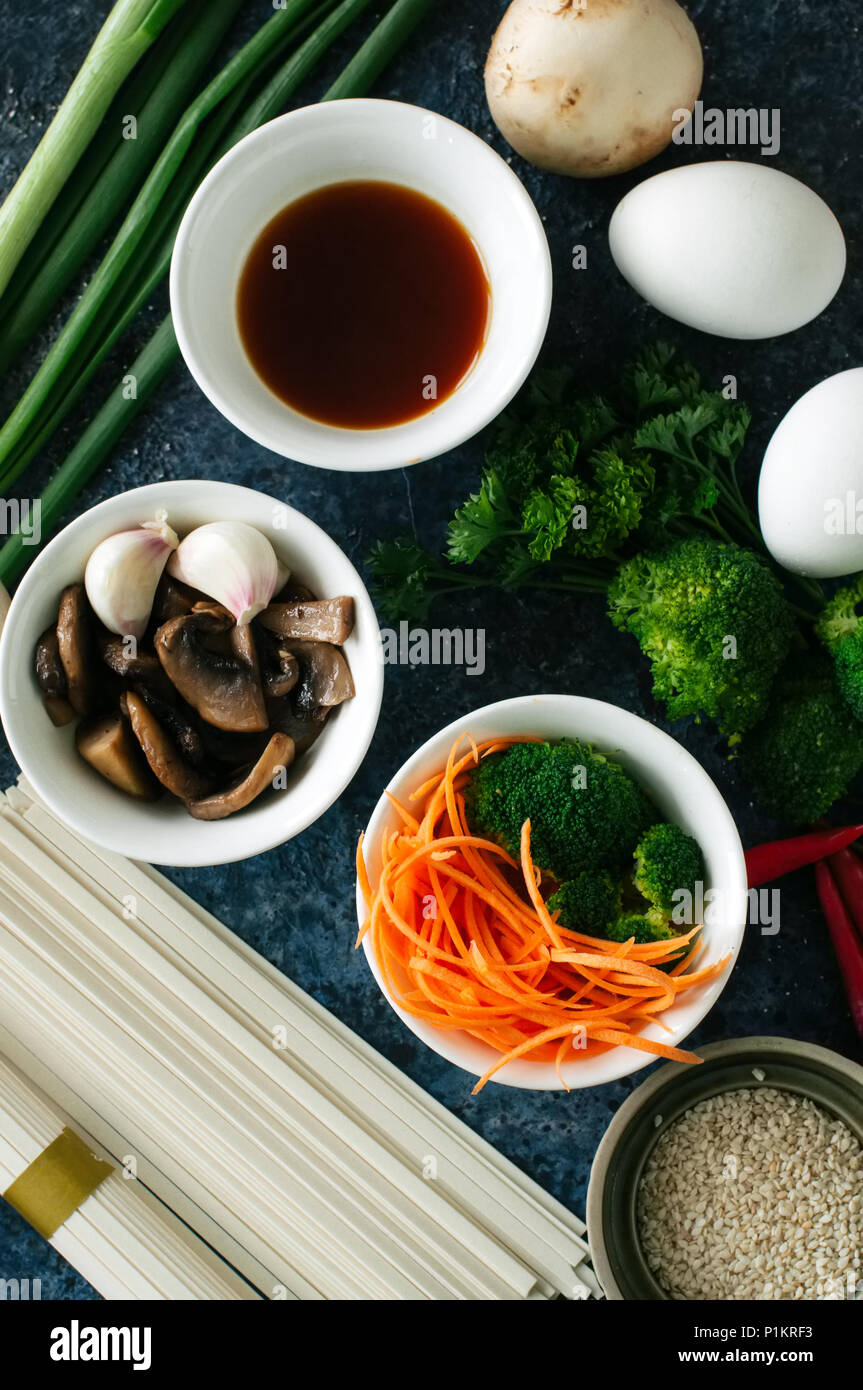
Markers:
<point>361,285</point>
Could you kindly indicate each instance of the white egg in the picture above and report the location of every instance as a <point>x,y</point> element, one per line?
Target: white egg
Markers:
<point>810,494</point>
<point>735,249</point>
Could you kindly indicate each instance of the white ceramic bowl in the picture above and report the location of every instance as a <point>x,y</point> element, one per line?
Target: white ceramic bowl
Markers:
<point>330,143</point>
<point>682,791</point>
<point>164,832</point>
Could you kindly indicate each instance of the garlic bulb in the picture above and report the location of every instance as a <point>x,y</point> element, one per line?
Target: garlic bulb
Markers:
<point>231,562</point>
<point>123,573</point>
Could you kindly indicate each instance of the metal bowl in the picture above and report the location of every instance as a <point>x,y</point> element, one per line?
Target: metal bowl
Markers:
<point>831,1081</point>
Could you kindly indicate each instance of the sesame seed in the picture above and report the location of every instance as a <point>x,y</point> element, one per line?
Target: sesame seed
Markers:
<point>754,1194</point>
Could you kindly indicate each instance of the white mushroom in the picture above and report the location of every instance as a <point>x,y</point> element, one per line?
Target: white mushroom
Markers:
<point>592,87</point>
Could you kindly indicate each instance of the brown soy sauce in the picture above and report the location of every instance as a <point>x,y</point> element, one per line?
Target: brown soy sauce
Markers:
<point>363,305</point>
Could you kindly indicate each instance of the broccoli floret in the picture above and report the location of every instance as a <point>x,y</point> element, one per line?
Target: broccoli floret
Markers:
<point>667,861</point>
<point>713,620</point>
<point>585,811</point>
<point>588,903</point>
<point>848,665</point>
<point>840,629</point>
<point>806,751</point>
<point>644,929</point>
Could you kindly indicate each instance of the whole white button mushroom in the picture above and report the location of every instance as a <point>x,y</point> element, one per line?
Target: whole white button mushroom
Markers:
<point>592,88</point>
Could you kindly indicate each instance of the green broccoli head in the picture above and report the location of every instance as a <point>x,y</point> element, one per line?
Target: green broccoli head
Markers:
<point>848,667</point>
<point>808,749</point>
<point>585,811</point>
<point>644,929</point>
<point>667,861</point>
<point>840,629</point>
<point>713,620</point>
<point>588,903</point>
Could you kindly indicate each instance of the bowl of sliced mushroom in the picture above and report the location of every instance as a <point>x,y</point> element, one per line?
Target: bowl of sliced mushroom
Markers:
<point>190,673</point>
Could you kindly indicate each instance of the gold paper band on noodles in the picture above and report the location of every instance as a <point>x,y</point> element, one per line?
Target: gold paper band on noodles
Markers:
<point>55,1184</point>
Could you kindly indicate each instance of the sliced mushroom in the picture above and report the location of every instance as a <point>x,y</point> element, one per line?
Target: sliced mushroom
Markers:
<point>59,711</point>
<point>280,681</point>
<point>225,688</point>
<point>324,620</point>
<point>210,605</point>
<point>275,759</point>
<point>280,669</point>
<point>325,677</point>
<point>241,641</point>
<point>176,717</point>
<point>162,753</point>
<point>292,591</point>
<point>132,664</point>
<point>52,679</point>
<point>232,751</point>
<point>173,600</point>
<point>75,643</point>
<point>231,638</point>
<point>107,744</point>
<point>304,729</point>
<point>49,667</point>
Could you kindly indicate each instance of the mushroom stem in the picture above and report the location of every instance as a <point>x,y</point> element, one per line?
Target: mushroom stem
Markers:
<point>274,761</point>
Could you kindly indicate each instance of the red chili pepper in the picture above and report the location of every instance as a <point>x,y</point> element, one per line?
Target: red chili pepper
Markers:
<point>764,863</point>
<point>846,943</point>
<point>847,870</point>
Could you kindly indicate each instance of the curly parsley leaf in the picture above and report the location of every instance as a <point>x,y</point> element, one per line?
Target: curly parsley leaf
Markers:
<point>402,573</point>
<point>574,482</point>
<point>485,518</point>
<point>548,515</point>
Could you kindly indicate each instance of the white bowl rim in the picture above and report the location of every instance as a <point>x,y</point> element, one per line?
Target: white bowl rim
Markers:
<point>599,1070</point>
<point>393,443</point>
<point>147,498</point>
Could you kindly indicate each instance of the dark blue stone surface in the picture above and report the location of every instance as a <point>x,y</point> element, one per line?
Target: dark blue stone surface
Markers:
<point>296,904</point>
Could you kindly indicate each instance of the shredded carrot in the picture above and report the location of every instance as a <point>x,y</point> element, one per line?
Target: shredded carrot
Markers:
<point>464,939</point>
<point>531,882</point>
<point>410,821</point>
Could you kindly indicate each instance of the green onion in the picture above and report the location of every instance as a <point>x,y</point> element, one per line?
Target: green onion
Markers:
<point>243,65</point>
<point>153,253</point>
<point>109,423</point>
<point>160,353</point>
<point>89,168</point>
<point>154,256</point>
<point>379,49</point>
<point>194,38</point>
<point>295,71</point>
<point>128,32</point>
<point>130,100</point>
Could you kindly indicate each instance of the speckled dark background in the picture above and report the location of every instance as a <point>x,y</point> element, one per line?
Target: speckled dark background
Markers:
<point>296,904</point>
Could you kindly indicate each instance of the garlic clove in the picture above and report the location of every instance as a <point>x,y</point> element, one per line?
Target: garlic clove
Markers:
<point>231,562</point>
<point>284,575</point>
<point>123,573</point>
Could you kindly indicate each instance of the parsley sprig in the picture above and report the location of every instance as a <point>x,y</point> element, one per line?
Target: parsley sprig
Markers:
<point>573,484</point>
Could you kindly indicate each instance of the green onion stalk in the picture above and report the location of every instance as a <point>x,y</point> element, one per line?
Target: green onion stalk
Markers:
<point>153,253</point>
<point>130,29</point>
<point>165,83</point>
<point>89,171</point>
<point>119,257</point>
<point>153,362</point>
<point>153,260</point>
